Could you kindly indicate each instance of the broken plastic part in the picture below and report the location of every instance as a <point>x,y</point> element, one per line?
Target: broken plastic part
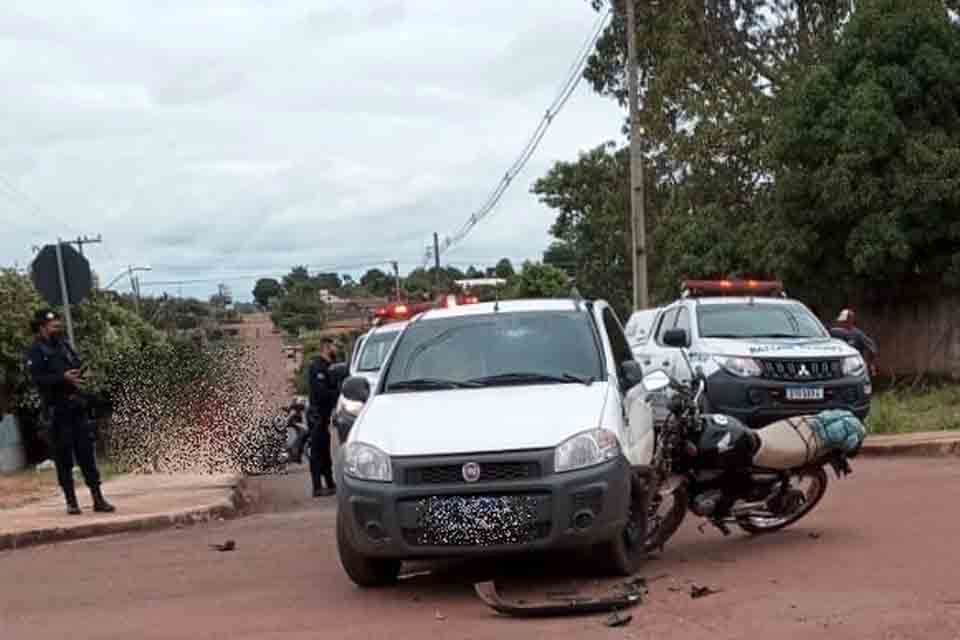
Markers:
<point>487,591</point>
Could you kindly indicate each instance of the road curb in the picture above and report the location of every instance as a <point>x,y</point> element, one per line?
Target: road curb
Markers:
<point>926,449</point>
<point>226,508</point>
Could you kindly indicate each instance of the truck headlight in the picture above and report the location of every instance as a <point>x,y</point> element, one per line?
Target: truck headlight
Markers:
<point>740,367</point>
<point>854,366</point>
<point>366,462</point>
<point>586,449</point>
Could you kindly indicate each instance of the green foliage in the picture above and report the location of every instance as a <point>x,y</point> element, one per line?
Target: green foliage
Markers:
<point>868,153</point>
<point>300,309</point>
<point>504,269</point>
<point>265,290</point>
<point>18,302</point>
<point>537,280</point>
<point>906,410</point>
<point>377,282</point>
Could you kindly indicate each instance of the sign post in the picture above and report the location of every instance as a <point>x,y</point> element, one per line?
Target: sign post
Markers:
<point>65,294</point>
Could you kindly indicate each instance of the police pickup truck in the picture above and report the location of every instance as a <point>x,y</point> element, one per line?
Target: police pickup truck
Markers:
<point>766,357</point>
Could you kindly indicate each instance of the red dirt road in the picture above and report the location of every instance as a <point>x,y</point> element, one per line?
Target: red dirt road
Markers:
<point>884,566</point>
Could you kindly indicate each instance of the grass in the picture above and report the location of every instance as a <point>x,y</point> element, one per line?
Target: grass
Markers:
<point>30,485</point>
<point>910,410</point>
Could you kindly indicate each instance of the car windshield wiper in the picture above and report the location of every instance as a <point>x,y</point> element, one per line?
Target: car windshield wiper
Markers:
<point>430,383</point>
<point>778,335</point>
<point>726,336</point>
<point>526,377</point>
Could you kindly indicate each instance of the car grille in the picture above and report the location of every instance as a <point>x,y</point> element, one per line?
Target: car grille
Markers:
<point>802,370</point>
<point>478,521</point>
<point>489,472</point>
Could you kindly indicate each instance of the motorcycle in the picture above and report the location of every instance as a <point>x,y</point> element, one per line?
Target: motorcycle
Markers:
<point>297,433</point>
<point>713,466</point>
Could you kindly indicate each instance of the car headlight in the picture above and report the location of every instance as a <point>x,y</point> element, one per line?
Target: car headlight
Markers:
<point>349,406</point>
<point>740,367</point>
<point>586,450</point>
<point>854,366</point>
<point>366,462</point>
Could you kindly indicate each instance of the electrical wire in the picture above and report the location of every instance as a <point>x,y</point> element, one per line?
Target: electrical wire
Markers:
<point>570,85</point>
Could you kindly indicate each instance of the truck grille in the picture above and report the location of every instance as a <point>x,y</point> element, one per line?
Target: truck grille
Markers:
<point>489,472</point>
<point>802,370</point>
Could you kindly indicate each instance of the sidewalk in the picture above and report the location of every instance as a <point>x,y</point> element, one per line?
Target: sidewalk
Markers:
<point>930,443</point>
<point>143,502</point>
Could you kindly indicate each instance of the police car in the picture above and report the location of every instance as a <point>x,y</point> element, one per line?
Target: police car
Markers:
<point>766,357</point>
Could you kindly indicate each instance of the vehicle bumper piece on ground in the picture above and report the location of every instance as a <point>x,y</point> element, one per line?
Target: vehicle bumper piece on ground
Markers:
<point>517,504</point>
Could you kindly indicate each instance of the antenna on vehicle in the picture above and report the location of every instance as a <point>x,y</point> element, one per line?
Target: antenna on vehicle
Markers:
<point>575,294</point>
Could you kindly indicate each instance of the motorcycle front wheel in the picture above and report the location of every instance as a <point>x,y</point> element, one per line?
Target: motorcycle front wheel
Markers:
<point>667,512</point>
<point>804,490</point>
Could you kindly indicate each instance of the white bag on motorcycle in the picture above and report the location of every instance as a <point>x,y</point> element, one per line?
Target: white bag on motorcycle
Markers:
<point>789,443</point>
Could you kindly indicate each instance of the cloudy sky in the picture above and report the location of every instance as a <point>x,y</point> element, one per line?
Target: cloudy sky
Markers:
<point>226,138</point>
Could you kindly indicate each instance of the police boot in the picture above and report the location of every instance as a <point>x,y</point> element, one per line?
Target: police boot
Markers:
<point>100,504</point>
<point>73,507</point>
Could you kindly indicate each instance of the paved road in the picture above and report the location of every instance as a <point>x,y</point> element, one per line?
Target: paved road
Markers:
<point>883,566</point>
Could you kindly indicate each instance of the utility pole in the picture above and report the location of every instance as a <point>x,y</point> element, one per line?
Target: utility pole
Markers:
<point>85,240</point>
<point>436,259</point>
<point>396,275</point>
<point>638,229</point>
<point>65,294</point>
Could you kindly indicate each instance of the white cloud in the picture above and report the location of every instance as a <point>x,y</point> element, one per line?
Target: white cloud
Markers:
<point>243,136</point>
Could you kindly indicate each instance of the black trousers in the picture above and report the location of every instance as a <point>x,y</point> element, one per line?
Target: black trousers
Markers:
<point>321,462</point>
<point>72,438</point>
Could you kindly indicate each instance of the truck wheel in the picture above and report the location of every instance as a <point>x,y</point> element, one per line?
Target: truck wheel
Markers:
<point>623,555</point>
<point>363,570</point>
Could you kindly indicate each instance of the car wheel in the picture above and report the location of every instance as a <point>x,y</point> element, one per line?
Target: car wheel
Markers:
<point>623,555</point>
<point>363,570</point>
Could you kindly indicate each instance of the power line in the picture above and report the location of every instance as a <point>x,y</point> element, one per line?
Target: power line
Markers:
<point>566,91</point>
<point>34,208</point>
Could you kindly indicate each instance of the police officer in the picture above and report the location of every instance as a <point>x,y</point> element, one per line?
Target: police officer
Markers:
<point>323,400</point>
<point>845,328</point>
<point>56,369</point>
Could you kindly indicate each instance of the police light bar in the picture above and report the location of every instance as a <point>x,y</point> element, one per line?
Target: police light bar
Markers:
<point>694,288</point>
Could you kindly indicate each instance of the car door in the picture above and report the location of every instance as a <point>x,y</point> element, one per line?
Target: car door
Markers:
<point>633,413</point>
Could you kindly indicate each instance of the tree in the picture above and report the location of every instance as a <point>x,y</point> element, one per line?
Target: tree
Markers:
<point>297,275</point>
<point>561,255</point>
<point>473,273</point>
<point>537,280</point>
<point>329,281</point>
<point>868,156</point>
<point>265,290</point>
<point>504,269</point>
<point>18,303</point>
<point>300,309</point>
<point>377,282</point>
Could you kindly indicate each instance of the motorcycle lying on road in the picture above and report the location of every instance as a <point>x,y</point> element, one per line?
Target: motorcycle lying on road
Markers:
<point>718,468</point>
<point>297,433</point>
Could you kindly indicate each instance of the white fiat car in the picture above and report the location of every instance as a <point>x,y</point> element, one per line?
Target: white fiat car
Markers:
<point>497,428</point>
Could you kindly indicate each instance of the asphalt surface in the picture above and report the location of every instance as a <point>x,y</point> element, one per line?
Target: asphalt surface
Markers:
<point>877,559</point>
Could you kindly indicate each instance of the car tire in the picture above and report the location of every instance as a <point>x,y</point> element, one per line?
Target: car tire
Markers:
<point>363,570</point>
<point>623,555</point>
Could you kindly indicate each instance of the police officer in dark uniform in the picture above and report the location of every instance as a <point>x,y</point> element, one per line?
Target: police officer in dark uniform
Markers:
<point>323,400</point>
<point>57,371</point>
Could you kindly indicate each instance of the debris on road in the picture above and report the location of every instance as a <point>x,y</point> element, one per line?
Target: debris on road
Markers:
<point>439,616</point>
<point>414,574</point>
<point>229,545</point>
<point>617,619</point>
<point>700,591</point>
<point>487,591</point>
<point>815,535</point>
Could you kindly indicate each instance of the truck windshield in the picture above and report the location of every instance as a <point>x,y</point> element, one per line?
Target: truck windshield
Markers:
<point>375,349</point>
<point>537,347</point>
<point>757,321</point>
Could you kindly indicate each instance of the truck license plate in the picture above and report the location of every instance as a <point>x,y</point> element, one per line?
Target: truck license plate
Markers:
<point>805,394</point>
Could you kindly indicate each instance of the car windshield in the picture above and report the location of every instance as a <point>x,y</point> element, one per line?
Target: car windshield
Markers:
<point>537,347</point>
<point>757,321</point>
<point>375,349</point>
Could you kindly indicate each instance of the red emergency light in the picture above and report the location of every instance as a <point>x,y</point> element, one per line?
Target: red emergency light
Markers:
<point>732,287</point>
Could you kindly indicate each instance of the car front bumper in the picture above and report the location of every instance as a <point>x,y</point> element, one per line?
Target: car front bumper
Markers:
<point>436,514</point>
<point>758,401</point>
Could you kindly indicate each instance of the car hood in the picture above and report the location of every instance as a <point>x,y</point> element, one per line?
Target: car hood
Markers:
<point>507,418</point>
<point>777,348</point>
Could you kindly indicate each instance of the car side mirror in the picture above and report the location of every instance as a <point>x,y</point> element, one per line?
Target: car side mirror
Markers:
<point>632,373</point>
<point>356,388</point>
<point>678,338</point>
